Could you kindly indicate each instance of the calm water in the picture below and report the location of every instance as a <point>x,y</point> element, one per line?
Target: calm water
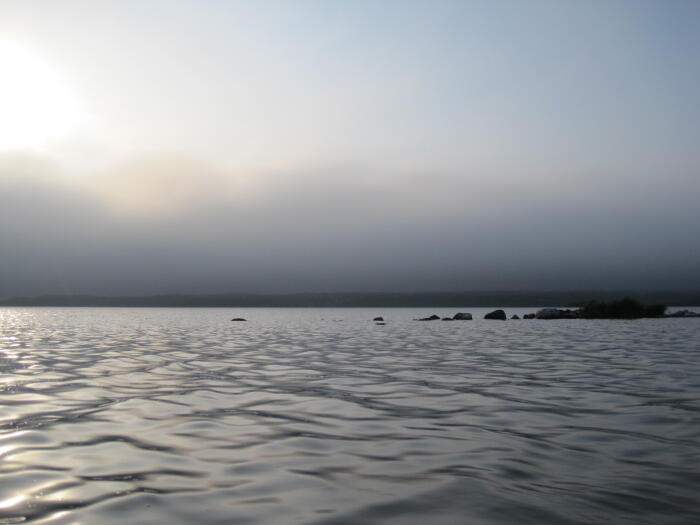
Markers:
<point>319,416</point>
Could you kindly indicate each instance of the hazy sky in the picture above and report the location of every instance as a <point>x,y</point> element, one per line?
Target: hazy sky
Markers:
<point>260,146</point>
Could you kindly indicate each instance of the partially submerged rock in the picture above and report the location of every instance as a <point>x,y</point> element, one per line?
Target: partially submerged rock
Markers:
<point>498,315</point>
<point>556,313</point>
<point>238,319</point>
<point>683,313</point>
<point>378,319</point>
<point>431,318</point>
<point>461,316</point>
<point>515,317</point>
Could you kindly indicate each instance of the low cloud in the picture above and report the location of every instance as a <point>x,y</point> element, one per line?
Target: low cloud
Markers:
<point>175,224</point>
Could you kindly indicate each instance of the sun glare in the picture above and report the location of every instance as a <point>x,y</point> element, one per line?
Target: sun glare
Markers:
<point>36,103</point>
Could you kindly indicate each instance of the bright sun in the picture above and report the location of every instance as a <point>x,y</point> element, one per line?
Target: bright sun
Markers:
<point>36,103</point>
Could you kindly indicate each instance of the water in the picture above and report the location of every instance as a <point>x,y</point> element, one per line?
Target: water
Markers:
<point>319,416</point>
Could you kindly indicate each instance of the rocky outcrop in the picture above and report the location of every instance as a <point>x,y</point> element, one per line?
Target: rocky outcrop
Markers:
<point>515,317</point>
<point>378,319</point>
<point>238,319</point>
<point>625,308</point>
<point>431,318</point>
<point>547,313</point>
<point>498,315</point>
<point>556,313</point>
<point>461,316</point>
<point>683,313</point>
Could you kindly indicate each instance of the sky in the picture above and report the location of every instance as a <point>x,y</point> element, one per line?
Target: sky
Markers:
<point>290,146</point>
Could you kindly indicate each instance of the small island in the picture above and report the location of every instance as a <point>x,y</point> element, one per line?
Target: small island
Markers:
<point>625,308</point>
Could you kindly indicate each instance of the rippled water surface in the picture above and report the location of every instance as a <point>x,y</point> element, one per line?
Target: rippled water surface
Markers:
<point>320,416</point>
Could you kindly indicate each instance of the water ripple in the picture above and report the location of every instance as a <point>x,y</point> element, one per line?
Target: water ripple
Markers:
<point>179,416</point>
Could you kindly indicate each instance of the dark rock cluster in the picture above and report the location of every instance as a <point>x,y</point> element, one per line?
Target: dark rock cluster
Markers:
<point>461,316</point>
<point>625,308</point>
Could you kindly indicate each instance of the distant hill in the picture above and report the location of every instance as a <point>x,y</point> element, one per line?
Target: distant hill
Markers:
<point>379,299</point>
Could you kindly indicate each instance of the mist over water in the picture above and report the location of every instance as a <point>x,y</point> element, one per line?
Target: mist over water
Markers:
<point>171,225</point>
<point>320,153</point>
<point>319,416</point>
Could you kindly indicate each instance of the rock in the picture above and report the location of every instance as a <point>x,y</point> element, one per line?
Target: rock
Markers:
<point>461,316</point>
<point>548,313</point>
<point>447,319</point>
<point>515,316</point>
<point>237,319</point>
<point>378,319</point>
<point>431,318</point>
<point>529,316</point>
<point>683,313</point>
<point>499,315</point>
<point>380,324</point>
<point>556,313</point>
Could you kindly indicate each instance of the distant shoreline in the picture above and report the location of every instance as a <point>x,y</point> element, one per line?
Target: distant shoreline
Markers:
<point>359,300</point>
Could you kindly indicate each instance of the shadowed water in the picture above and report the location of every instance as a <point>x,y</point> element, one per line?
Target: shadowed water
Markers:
<point>320,416</point>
